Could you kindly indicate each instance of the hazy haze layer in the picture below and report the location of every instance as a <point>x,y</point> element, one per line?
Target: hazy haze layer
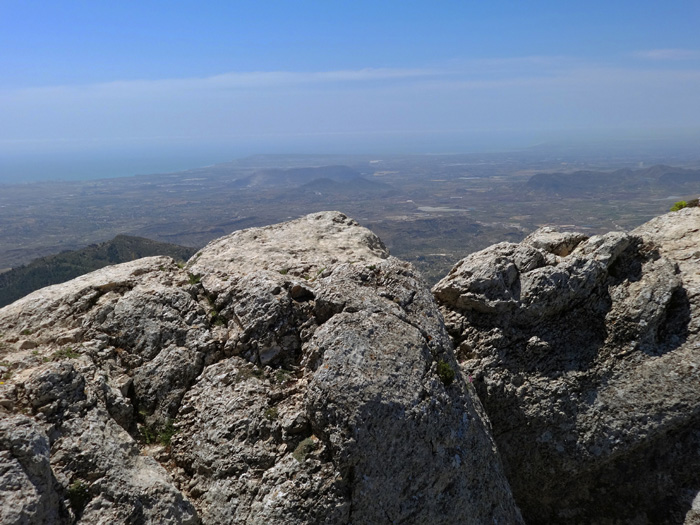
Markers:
<point>107,89</point>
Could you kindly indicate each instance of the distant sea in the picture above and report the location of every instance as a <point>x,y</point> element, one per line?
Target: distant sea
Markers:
<point>25,167</point>
<point>31,162</point>
<point>70,161</point>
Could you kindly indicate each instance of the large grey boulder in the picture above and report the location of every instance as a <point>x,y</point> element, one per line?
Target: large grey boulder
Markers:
<point>586,355</point>
<point>289,374</point>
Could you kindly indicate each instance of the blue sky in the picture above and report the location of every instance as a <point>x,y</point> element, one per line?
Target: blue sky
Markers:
<point>287,76</point>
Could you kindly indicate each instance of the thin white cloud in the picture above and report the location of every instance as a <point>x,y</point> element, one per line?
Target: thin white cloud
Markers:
<point>241,80</point>
<point>669,54</point>
<point>517,92</point>
<point>477,73</point>
<point>530,61</point>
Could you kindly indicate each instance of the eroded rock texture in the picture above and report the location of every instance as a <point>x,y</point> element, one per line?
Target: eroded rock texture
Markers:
<point>288,374</point>
<point>586,355</point>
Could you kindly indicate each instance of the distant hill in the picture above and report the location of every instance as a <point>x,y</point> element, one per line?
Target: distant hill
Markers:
<point>295,177</point>
<point>54,269</point>
<point>349,187</point>
<point>583,182</point>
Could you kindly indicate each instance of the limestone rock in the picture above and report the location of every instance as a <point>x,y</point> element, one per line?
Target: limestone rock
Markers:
<point>303,247</point>
<point>28,488</point>
<point>555,242</point>
<point>587,360</point>
<point>288,374</point>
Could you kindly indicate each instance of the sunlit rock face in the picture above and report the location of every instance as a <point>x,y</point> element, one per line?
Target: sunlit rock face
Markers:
<point>289,374</point>
<point>586,355</point>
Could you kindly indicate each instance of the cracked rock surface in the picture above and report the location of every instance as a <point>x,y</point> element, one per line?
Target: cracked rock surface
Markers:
<point>289,374</point>
<point>586,355</point>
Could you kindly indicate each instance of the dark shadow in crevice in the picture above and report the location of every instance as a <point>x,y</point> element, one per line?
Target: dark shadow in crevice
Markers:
<point>673,330</point>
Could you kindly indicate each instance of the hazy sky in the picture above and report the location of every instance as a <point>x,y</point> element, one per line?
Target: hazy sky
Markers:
<point>287,75</point>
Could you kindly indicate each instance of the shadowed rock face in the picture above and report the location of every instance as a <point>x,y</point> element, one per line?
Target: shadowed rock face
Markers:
<point>288,374</point>
<point>586,355</point>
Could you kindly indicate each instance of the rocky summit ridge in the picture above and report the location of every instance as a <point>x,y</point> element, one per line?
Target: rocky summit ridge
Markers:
<point>586,355</point>
<point>290,374</point>
<point>298,373</point>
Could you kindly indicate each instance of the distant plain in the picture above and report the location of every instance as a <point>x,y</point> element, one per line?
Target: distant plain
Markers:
<point>431,210</point>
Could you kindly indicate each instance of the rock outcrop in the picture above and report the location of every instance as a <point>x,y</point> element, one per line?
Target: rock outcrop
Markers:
<point>290,374</point>
<point>586,355</point>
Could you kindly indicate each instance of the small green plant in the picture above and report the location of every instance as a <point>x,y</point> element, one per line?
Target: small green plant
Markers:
<point>303,449</point>
<point>180,264</point>
<point>679,206</point>
<point>445,373</point>
<point>78,496</point>
<point>26,331</point>
<point>284,271</point>
<point>282,376</point>
<point>217,319</point>
<point>166,433</point>
<point>194,278</point>
<point>148,434</point>
<point>372,267</point>
<point>64,353</point>
<point>271,413</point>
<point>248,372</point>
<point>156,433</point>
<point>6,375</point>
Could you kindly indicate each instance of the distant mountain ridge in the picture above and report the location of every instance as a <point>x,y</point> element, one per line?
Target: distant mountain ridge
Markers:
<point>54,269</point>
<point>352,186</point>
<point>654,177</point>
<point>295,177</point>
